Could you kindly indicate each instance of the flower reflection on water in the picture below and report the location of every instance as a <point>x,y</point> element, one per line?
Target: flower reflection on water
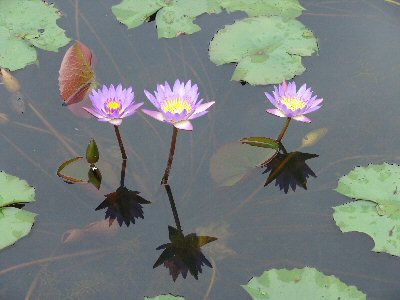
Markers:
<point>183,253</point>
<point>289,169</point>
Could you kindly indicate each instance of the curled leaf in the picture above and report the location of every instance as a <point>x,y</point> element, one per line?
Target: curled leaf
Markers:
<point>260,141</point>
<point>313,137</point>
<point>10,82</point>
<point>68,178</point>
<point>76,76</point>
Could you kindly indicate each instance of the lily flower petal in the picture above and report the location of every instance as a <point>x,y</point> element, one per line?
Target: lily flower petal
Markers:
<point>154,114</point>
<point>185,125</point>
<point>302,118</point>
<point>276,112</point>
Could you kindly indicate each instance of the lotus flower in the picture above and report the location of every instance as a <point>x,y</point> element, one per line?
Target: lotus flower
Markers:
<point>293,104</point>
<point>178,105</point>
<point>112,105</point>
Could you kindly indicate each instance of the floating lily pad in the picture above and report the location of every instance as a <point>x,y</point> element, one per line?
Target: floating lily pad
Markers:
<point>286,8</point>
<point>361,216</point>
<point>268,50</point>
<point>376,183</point>
<point>377,209</point>
<point>165,297</point>
<point>14,190</point>
<point>300,284</point>
<point>24,24</point>
<point>14,223</point>
<point>174,17</point>
<point>233,161</point>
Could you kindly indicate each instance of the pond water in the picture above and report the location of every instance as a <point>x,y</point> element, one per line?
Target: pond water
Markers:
<point>357,73</point>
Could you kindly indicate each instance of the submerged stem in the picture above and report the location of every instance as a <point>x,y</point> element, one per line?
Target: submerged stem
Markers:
<point>164,180</point>
<point>121,145</point>
<point>173,207</point>
<point>283,131</point>
<point>123,168</point>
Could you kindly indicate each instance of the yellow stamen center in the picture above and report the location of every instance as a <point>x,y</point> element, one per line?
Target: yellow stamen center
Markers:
<point>293,103</point>
<point>112,105</point>
<point>176,106</point>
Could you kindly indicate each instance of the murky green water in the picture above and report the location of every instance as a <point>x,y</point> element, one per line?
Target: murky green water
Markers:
<point>357,73</point>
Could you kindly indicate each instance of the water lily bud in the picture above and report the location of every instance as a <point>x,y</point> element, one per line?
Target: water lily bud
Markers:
<point>92,152</point>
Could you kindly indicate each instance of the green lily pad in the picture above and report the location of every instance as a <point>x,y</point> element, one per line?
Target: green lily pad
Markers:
<point>285,8</point>
<point>300,284</point>
<point>14,190</point>
<point>14,223</point>
<point>376,183</point>
<point>165,297</point>
<point>24,24</point>
<point>361,216</point>
<point>268,50</point>
<point>174,17</point>
<point>232,162</point>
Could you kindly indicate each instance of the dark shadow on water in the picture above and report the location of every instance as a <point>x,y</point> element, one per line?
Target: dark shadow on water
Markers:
<point>183,253</point>
<point>123,205</point>
<point>289,170</point>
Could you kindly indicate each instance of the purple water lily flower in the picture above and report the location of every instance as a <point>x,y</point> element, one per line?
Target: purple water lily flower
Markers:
<point>293,104</point>
<point>112,104</point>
<point>178,105</point>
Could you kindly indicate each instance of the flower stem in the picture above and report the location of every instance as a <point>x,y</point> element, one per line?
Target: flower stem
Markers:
<point>121,145</point>
<point>173,207</point>
<point>283,131</point>
<point>170,157</point>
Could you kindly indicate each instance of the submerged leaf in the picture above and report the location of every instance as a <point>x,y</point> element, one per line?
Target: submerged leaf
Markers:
<point>76,76</point>
<point>300,284</point>
<point>99,228</point>
<point>267,49</point>
<point>10,82</point>
<point>24,24</point>
<point>233,161</point>
<point>313,137</point>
